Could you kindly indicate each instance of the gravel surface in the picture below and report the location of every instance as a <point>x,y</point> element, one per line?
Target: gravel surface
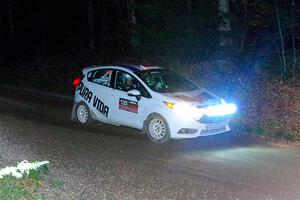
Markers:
<point>107,162</point>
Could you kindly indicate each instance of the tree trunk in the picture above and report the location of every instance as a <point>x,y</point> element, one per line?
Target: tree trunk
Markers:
<point>225,26</point>
<point>1,29</point>
<point>91,26</point>
<point>277,50</point>
<point>43,16</point>
<point>1,35</point>
<point>294,54</point>
<point>293,39</point>
<point>224,9</point>
<point>131,11</point>
<point>189,11</point>
<point>84,27</point>
<point>281,38</point>
<point>11,21</point>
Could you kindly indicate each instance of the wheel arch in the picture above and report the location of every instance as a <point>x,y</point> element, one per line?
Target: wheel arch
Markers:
<point>76,104</point>
<point>153,113</point>
<point>167,134</point>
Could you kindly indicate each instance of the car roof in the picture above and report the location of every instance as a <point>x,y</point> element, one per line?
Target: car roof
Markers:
<point>131,68</point>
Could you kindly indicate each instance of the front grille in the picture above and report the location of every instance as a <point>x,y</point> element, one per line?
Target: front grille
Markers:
<point>211,120</point>
<point>214,128</point>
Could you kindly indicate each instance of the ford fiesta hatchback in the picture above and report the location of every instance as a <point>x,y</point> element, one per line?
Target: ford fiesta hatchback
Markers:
<point>160,102</point>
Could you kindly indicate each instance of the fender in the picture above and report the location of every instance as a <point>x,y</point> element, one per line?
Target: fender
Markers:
<point>165,113</point>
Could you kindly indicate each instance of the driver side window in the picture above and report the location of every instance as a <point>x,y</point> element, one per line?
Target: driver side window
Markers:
<point>126,82</point>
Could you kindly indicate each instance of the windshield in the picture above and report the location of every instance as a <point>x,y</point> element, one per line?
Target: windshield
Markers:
<point>166,81</point>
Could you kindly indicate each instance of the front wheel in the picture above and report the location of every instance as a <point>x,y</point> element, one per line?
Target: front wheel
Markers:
<point>83,114</point>
<point>157,129</point>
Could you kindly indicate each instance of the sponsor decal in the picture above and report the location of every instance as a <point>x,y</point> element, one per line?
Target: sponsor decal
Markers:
<point>87,95</point>
<point>84,92</point>
<point>99,105</point>
<point>128,105</point>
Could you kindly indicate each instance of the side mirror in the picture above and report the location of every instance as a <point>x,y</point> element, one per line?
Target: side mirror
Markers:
<point>134,93</point>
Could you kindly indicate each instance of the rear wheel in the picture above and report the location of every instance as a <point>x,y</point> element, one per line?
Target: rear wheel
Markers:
<point>83,114</point>
<point>157,128</point>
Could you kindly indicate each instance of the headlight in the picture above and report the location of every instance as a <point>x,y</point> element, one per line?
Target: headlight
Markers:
<point>222,109</point>
<point>185,111</point>
<point>188,112</point>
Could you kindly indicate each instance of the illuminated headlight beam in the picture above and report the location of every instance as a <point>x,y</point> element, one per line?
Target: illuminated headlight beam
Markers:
<point>187,111</point>
<point>219,110</point>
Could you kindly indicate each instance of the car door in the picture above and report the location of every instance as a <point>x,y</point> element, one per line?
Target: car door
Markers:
<point>100,84</point>
<point>129,110</point>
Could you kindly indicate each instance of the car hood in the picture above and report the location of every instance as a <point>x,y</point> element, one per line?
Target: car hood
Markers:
<point>198,98</point>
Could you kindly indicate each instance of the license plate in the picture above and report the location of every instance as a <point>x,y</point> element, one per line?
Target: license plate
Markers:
<point>214,128</point>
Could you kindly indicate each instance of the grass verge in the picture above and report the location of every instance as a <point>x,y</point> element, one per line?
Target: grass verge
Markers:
<point>25,188</point>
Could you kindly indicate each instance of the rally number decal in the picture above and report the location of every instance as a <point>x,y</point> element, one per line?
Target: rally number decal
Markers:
<point>128,105</point>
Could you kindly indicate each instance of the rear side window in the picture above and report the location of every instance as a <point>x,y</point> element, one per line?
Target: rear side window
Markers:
<point>101,76</point>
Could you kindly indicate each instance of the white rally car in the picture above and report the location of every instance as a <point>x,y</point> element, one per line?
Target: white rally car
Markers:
<point>158,101</point>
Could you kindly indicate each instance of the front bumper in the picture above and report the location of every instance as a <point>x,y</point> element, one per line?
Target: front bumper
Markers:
<point>191,129</point>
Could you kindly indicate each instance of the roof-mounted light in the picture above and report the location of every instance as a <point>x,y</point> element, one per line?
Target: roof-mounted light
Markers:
<point>149,66</point>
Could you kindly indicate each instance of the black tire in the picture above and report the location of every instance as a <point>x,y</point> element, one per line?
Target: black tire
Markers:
<point>83,114</point>
<point>162,126</point>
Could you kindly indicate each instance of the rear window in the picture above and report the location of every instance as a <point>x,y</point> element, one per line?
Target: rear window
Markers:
<point>101,76</point>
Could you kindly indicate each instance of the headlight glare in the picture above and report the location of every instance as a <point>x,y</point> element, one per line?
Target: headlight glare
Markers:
<point>222,109</point>
<point>187,111</point>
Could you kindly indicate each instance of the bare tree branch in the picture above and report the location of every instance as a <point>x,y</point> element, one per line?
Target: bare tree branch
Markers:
<point>281,38</point>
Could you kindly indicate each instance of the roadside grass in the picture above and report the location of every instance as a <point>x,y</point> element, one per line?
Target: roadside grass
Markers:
<point>279,134</point>
<point>280,130</point>
<point>272,130</point>
<point>25,188</point>
<point>288,135</point>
